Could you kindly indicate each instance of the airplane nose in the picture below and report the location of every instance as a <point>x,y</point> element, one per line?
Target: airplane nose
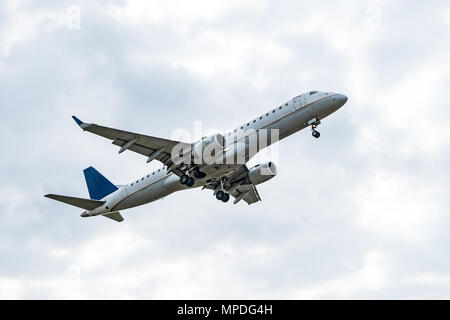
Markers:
<point>341,99</point>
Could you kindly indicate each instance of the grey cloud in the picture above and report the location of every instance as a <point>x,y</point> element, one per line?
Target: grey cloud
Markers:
<point>305,235</point>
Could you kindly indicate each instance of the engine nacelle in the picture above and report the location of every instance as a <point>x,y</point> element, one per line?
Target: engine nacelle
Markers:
<point>262,172</point>
<point>207,146</point>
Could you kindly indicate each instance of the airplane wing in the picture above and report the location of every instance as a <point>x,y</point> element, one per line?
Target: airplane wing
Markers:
<point>152,147</point>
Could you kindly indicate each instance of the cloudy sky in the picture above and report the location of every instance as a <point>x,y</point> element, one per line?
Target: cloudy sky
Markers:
<point>362,212</point>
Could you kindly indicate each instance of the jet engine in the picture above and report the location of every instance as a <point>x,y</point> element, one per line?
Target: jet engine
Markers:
<point>262,172</point>
<point>208,146</point>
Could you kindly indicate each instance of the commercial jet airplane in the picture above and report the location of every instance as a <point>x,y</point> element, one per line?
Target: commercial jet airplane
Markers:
<point>216,162</point>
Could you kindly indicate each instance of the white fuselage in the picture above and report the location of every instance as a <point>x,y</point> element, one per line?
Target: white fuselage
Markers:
<point>288,118</point>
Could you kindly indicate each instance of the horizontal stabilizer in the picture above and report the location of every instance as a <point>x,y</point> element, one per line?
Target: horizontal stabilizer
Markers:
<point>77,202</point>
<point>115,216</point>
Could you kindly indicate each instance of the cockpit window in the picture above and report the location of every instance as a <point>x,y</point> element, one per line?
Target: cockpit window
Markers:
<point>312,92</point>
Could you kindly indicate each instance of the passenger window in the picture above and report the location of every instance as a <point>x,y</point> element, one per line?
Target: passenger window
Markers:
<point>148,176</point>
<point>159,170</point>
<point>312,92</point>
<point>242,127</point>
<point>267,114</point>
<point>132,184</point>
<point>248,124</point>
<point>254,121</point>
<point>142,179</point>
<point>273,111</point>
<point>260,118</point>
<point>286,104</point>
<point>137,181</point>
<point>153,173</point>
<point>280,107</point>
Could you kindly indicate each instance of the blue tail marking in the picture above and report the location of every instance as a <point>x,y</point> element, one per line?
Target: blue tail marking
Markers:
<point>98,186</point>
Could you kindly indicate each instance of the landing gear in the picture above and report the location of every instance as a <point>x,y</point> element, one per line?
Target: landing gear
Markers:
<point>183,179</point>
<point>198,174</point>
<point>186,178</point>
<point>188,181</point>
<point>220,195</point>
<point>225,197</point>
<point>315,133</point>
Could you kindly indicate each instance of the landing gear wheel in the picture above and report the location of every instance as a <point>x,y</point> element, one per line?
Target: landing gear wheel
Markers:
<point>220,195</point>
<point>190,182</point>
<point>225,197</point>
<point>199,175</point>
<point>314,125</point>
<point>184,179</point>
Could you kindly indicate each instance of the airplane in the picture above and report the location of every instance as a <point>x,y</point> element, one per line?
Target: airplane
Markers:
<point>185,165</point>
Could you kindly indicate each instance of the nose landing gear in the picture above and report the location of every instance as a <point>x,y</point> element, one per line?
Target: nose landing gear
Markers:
<point>315,133</point>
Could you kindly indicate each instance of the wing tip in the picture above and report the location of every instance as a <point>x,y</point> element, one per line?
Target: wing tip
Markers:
<point>78,121</point>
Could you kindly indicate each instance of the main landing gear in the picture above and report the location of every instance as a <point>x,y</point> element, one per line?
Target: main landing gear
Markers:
<point>198,174</point>
<point>221,195</point>
<point>188,181</point>
<point>315,133</point>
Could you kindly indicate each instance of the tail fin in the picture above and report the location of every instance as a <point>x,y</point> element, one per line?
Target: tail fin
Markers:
<point>77,202</point>
<point>98,186</point>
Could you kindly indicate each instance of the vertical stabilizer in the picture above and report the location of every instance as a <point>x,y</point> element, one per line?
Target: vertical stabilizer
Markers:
<point>98,186</point>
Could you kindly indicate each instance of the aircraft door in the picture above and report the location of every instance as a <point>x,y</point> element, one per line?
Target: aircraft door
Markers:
<point>298,102</point>
<point>304,100</point>
<point>124,191</point>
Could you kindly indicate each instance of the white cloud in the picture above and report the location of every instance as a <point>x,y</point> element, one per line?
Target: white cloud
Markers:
<point>21,25</point>
<point>409,113</point>
<point>10,288</point>
<point>179,14</point>
<point>373,275</point>
<point>396,206</point>
<point>18,205</point>
<point>429,279</point>
<point>106,251</point>
<point>365,192</point>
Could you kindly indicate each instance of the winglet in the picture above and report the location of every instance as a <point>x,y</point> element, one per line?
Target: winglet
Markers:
<point>78,121</point>
<point>81,123</point>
